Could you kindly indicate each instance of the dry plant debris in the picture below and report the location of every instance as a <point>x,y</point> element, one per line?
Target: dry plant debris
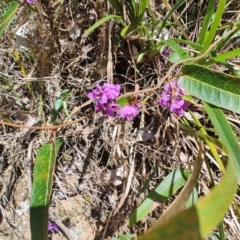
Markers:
<point>104,164</point>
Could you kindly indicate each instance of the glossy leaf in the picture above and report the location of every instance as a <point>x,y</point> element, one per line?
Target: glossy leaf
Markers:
<point>211,86</point>
<point>162,192</point>
<point>196,222</point>
<point>42,188</point>
<point>8,16</point>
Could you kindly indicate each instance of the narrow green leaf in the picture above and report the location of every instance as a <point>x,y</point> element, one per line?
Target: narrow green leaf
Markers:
<point>42,188</point>
<point>64,94</point>
<point>162,192</point>
<point>128,30</point>
<point>179,53</point>
<point>196,46</point>
<point>224,56</point>
<point>215,24</point>
<point>100,22</point>
<point>211,86</point>
<point>207,20</point>
<point>174,8</point>
<point>142,8</point>
<point>117,5</point>
<point>196,222</point>
<point>8,16</point>
<point>225,134</point>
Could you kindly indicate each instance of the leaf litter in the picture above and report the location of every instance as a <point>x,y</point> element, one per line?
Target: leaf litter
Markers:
<point>103,166</point>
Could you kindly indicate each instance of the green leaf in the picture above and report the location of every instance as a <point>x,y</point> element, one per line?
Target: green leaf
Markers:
<point>224,56</point>
<point>59,104</point>
<point>225,134</point>
<point>215,24</point>
<point>100,22</point>
<point>42,188</point>
<point>196,46</point>
<point>170,184</point>
<point>142,8</point>
<point>128,29</point>
<point>193,198</point>
<point>117,5</point>
<point>179,53</point>
<point>8,16</point>
<point>123,101</point>
<point>179,202</point>
<point>126,236</point>
<point>64,94</point>
<point>207,21</point>
<point>196,222</point>
<point>211,86</point>
<point>174,8</point>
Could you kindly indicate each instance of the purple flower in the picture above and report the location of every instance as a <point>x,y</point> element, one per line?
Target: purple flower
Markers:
<point>105,93</point>
<point>105,98</point>
<point>172,98</point>
<point>31,1</point>
<point>111,109</point>
<point>52,226</point>
<point>129,112</point>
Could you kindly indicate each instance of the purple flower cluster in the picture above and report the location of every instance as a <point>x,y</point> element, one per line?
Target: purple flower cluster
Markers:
<point>105,98</point>
<point>52,227</point>
<point>172,98</point>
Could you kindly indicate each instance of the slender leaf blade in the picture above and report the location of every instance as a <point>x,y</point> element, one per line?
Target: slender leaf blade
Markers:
<point>100,22</point>
<point>211,86</point>
<point>224,56</point>
<point>174,8</point>
<point>170,184</point>
<point>225,133</point>
<point>207,20</point>
<point>215,24</point>
<point>8,16</point>
<point>117,5</point>
<point>142,8</point>
<point>178,50</point>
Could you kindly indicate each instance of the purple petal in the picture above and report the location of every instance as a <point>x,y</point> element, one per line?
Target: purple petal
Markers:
<point>129,112</point>
<point>31,1</point>
<point>170,86</point>
<point>52,227</point>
